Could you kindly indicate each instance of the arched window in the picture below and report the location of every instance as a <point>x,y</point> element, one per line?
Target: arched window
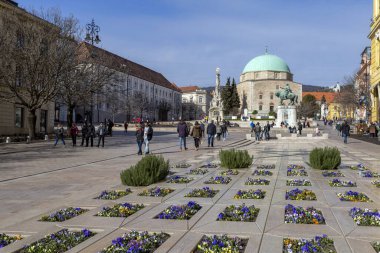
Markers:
<point>271,96</point>
<point>260,107</point>
<point>271,107</point>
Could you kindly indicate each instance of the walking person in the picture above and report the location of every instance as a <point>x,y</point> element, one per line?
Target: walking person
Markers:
<point>110,126</point>
<point>125,127</point>
<point>84,133</point>
<point>300,127</point>
<point>90,135</point>
<point>59,134</point>
<point>345,131</point>
<point>202,126</point>
<point>267,137</point>
<point>257,131</point>
<point>211,131</point>
<point>148,135</point>
<point>74,133</point>
<point>265,132</point>
<point>183,132</point>
<point>139,138</point>
<point>196,133</point>
<point>252,125</point>
<point>101,134</point>
<point>224,131</point>
<point>218,131</point>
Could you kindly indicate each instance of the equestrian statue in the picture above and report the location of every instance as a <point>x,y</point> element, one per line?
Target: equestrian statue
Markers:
<point>285,94</point>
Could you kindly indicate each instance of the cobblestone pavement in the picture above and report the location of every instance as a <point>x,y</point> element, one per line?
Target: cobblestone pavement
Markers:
<point>39,180</point>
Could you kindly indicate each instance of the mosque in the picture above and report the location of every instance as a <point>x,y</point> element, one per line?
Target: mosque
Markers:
<point>259,81</point>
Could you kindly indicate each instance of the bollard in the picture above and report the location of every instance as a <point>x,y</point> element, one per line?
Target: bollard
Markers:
<point>8,140</point>
<point>46,137</point>
<point>28,139</point>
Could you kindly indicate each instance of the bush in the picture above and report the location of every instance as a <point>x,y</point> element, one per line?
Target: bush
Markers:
<point>255,112</point>
<point>150,169</point>
<point>235,159</point>
<point>325,158</point>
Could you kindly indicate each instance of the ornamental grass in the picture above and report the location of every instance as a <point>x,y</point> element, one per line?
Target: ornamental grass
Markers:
<point>64,214</point>
<point>149,170</point>
<point>156,192</point>
<point>297,194</point>
<point>135,242</point>
<point>221,244</point>
<point>300,215</point>
<point>180,212</point>
<point>320,244</point>
<point>250,194</point>
<point>257,181</point>
<point>235,159</point>
<point>120,210</point>
<point>325,158</point>
<point>114,194</point>
<point>239,213</point>
<point>58,242</point>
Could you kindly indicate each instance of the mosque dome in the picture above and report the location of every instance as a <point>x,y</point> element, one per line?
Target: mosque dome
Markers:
<point>266,62</point>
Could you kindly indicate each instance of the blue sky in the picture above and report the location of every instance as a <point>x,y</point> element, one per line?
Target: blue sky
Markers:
<point>185,40</point>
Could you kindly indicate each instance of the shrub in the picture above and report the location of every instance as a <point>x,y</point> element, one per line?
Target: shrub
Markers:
<point>235,159</point>
<point>150,169</point>
<point>325,158</point>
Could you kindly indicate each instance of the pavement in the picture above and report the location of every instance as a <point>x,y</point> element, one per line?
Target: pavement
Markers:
<point>37,179</point>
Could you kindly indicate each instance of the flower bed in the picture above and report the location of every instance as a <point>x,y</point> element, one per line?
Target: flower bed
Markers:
<point>239,213</point>
<point>262,173</point>
<point>156,192</point>
<point>297,194</point>
<point>376,246</point>
<point>205,192</point>
<point>296,172</point>
<point>137,242</point>
<point>295,167</point>
<point>218,180</point>
<point>229,172</point>
<point>341,183</point>
<point>365,217</point>
<point>320,244</point>
<point>358,167</point>
<point>64,214</point>
<point>181,165</point>
<point>114,194</point>
<point>300,215</point>
<point>353,196</point>
<point>376,183</point>
<point>179,180</point>
<point>198,171</point>
<point>58,242</point>
<point>266,166</point>
<point>332,174</point>
<point>298,182</point>
<point>209,166</point>
<point>120,210</point>
<point>8,239</point>
<point>257,181</point>
<point>180,212</point>
<point>219,244</point>
<point>250,194</point>
<point>368,173</point>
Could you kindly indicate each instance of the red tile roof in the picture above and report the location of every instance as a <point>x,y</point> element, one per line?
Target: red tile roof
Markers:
<point>189,88</point>
<point>330,96</point>
<point>117,62</point>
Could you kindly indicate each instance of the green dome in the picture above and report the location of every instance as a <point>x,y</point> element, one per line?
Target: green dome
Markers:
<point>266,62</point>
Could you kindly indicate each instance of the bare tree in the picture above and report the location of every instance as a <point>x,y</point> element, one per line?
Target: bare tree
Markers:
<point>140,103</point>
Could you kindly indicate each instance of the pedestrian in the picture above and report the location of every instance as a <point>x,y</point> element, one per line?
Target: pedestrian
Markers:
<point>266,132</point>
<point>125,127</point>
<point>74,132</point>
<point>59,134</point>
<point>183,132</point>
<point>300,128</point>
<point>372,130</point>
<point>257,131</point>
<point>139,138</point>
<point>267,136</point>
<point>90,135</point>
<point>224,131</point>
<point>196,133</point>
<point>84,133</point>
<point>110,126</point>
<point>218,131</point>
<point>148,135</point>
<point>202,126</point>
<point>252,125</point>
<point>101,134</point>
<point>211,131</point>
<point>345,131</point>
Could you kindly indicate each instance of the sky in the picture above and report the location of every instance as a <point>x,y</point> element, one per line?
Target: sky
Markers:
<point>186,40</point>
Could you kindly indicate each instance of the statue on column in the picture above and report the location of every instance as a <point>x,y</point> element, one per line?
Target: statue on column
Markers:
<point>285,94</point>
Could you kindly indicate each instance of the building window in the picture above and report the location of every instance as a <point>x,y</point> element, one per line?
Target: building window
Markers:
<point>43,121</point>
<point>271,108</point>
<point>19,117</point>
<point>260,107</point>
<point>200,99</point>
<point>260,96</point>
<point>277,87</point>
<point>271,96</point>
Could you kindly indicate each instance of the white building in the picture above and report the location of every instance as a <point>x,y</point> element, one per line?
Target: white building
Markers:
<point>195,103</point>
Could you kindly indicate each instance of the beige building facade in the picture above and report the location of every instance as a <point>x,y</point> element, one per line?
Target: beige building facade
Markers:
<point>195,103</point>
<point>262,77</point>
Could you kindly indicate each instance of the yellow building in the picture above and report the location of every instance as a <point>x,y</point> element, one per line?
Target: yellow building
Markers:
<point>374,36</point>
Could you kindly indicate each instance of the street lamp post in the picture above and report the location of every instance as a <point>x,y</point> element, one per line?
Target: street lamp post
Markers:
<point>92,36</point>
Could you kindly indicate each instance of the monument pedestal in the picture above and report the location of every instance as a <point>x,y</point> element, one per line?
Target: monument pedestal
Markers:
<point>286,114</point>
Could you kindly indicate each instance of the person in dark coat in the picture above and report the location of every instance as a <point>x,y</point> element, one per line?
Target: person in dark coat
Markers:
<point>60,134</point>
<point>196,133</point>
<point>139,138</point>
<point>90,135</point>
<point>110,126</point>
<point>345,131</point>
<point>211,131</point>
<point>183,132</point>
<point>84,133</point>
<point>300,128</point>
<point>74,132</point>
<point>101,134</point>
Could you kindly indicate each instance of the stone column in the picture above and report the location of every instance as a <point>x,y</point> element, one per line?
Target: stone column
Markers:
<point>292,115</point>
<point>280,115</point>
